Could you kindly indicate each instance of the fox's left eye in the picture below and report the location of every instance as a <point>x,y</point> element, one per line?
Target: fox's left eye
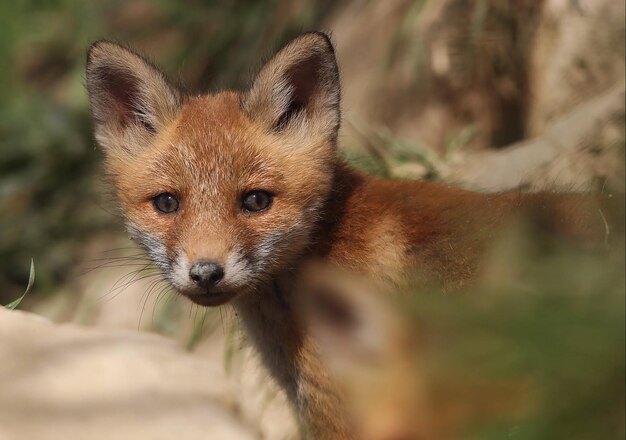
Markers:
<point>165,203</point>
<point>256,201</point>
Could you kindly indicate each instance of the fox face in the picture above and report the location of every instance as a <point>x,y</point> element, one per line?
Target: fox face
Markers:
<point>223,191</point>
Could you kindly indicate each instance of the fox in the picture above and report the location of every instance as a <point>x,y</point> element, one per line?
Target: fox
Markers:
<point>231,193</point>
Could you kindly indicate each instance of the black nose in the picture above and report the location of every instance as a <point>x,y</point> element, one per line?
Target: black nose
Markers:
<point>206,274</point>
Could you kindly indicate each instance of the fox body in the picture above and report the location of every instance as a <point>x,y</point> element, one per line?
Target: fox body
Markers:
<point>231,193</point>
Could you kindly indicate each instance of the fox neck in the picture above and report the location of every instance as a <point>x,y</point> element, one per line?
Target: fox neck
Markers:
<point>291,357</point>
<point>281,339</point>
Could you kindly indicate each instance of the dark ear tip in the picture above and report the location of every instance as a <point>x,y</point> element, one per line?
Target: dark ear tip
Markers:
<point>98,47</point>
<point>320,34</point>
<point>319,37</point>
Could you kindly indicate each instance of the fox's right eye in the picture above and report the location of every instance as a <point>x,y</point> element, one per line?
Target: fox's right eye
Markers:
<point>165,203</point>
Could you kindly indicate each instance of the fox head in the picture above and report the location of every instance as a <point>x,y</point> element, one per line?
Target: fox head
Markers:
<point>222,190</point>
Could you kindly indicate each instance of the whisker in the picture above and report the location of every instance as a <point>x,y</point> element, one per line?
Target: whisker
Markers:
<point>132,278</point>
<point>163,289</point>
<point>117,259</point>
<point>119,249</point>
<point>111,298</point>
<point>163,292</point>
<point>112,265</point>
<point>143,307</point>
<point>129,278</point>
<point>139,253</point>
<point>153,285</point>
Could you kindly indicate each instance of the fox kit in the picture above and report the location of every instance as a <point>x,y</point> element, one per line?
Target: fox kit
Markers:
<point>231,193</point>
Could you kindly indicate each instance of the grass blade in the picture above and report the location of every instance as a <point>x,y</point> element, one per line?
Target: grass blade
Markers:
<point>31,281</point>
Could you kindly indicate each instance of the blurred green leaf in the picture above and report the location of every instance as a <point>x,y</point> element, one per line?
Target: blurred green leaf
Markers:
<point>31,281</point>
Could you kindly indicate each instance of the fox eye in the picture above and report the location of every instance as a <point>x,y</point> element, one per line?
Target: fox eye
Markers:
<point>166,203</point>
<point>256,201</point>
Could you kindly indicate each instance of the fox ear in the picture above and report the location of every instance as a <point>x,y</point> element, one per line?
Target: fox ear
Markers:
<point>130,99</point>
<point>298,88</point>
<point>346,314</point>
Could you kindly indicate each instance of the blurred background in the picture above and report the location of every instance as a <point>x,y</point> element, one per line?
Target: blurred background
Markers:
<point>491,95</point>
<point>432,89</point>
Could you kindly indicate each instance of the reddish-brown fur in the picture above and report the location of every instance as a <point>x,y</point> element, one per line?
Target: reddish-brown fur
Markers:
<point>280,136</point>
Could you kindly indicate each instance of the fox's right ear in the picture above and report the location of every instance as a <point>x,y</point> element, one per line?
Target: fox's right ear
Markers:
<point>130,99</point>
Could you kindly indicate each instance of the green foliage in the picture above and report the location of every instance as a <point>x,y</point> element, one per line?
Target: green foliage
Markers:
<point>549,322</point>
<point>31,280</point>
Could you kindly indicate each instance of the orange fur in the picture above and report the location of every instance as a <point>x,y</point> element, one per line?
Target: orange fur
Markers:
<point>280,136</point>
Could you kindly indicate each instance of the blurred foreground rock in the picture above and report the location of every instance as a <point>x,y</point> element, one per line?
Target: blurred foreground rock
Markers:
<point>64,381</point>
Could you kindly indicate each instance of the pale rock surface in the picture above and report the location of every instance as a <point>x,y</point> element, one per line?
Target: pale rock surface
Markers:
<point>64,381</point>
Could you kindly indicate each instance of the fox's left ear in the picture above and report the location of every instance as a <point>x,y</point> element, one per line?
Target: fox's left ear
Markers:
<point>348,315</point>
<point>298,89</point>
